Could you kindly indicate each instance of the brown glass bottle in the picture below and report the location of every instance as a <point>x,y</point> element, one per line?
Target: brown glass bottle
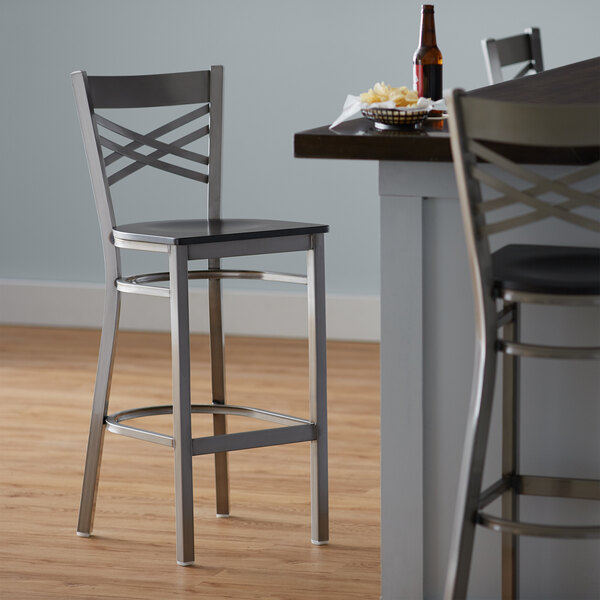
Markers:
<point>427,60</point>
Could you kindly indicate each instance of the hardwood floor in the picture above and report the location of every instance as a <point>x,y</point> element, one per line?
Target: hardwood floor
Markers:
<point>262,551</point>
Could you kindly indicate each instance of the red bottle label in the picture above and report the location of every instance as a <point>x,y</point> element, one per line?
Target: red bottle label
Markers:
<point>418,79</point>
<point>427,81</point>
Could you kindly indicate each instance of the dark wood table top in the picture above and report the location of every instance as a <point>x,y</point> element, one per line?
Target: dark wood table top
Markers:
<point>358,139</point>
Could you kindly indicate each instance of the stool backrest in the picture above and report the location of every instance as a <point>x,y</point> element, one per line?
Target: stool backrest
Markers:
<point>93,93</point>
<point>482,132</point>
<point>523,48</point>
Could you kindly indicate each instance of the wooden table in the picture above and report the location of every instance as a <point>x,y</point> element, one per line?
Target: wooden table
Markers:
<point>358,139</point>
<point>427,340</point>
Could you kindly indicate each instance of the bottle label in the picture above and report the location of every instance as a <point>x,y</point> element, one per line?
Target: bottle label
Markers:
<point>427,81</point>
<point>418,79</point>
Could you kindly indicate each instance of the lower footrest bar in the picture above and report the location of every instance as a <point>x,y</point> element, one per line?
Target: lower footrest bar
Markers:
<point>537,351</point>
<point>254,439</point>
<point>138,283</point>
<point>559,487</point>
<point>538,530</point>
<point>133,287</point>
<point>294,430</point>
<point>114,425</point>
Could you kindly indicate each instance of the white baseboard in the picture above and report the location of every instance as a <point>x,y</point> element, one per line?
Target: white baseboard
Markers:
<point>245,312</point>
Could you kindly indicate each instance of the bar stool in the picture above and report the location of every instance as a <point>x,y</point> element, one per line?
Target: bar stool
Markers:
<point>181,241</point>
<point>484,131</point>
<point>523,48</point>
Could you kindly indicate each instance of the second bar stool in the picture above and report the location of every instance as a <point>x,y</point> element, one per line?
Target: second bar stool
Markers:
<point>522,48</point>
<point>514,275</point>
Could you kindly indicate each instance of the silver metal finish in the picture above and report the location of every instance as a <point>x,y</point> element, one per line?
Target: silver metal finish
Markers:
<point>135,282</point>
<point>294,430</point>
<point>112,304</point>
<point>480,408</point>
<point>471,474</point>
<point>559,487</point>
<point>494,491</point>
<point>134,287</point>
<point>511,528</point>
<point>318,392</point>
<point>555,299</point>
<point>510,454</point>
<point>510,124</point>
<point>115,421</point>
<point>146,246</point>
<point>535,350</point>
<point>182,414</point>
<point>110,321</point>
<point>217,361</point>
<point>114,424</point>
<point>215,143</point>
<point>202,87</point>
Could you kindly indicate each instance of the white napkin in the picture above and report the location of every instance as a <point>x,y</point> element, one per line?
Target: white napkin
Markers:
<point>353,106</point>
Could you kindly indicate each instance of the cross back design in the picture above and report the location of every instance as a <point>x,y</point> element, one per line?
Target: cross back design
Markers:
<point>526,69</point>
<point>161,149</point>
<point>572,198</point>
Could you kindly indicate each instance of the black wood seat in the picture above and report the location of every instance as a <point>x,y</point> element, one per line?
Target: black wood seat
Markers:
<point>203,231</point>
<point>564,270</point>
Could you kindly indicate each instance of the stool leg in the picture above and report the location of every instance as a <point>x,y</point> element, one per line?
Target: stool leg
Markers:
<point>471,474</point>
<point>510,459</point>
<point>182,409</point>
<point>217,361</point>
<point>317,350</point>
<point>110,323</point>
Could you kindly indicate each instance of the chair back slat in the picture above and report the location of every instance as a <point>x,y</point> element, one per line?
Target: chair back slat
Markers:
<point>136,166</point>
<point>531,124</point>
<point>514,49</point>
<point>148,140</point>
<point>153,162</point>
<point>164,129</point>
<point>543,184</point>
<point>546,185</point>
<point>143,91</point>
<point>541,208</point>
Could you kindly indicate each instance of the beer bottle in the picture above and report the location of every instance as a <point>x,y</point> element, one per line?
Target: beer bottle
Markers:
<point>427,60</point>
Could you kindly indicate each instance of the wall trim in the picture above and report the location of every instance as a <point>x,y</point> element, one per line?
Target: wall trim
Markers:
<point>246,312</point>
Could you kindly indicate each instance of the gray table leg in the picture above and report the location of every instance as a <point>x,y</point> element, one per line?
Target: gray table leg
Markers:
<point>401,399</point>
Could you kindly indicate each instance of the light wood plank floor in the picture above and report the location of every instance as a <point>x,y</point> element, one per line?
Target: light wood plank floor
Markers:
<point>262,552</point>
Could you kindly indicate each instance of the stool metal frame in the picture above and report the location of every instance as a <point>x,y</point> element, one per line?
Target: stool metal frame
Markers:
<point>475,124</point>
<point>211,239</point>
<point>523,48</point>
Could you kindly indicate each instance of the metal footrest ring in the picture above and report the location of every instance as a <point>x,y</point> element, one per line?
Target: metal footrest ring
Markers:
<point>538,530</point>
<point>294,430</point>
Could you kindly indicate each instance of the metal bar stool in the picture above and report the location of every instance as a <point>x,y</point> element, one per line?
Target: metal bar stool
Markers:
<point>516,274</point>
<point>181,241</point>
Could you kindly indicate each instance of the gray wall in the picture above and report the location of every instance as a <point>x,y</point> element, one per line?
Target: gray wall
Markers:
<point>288,67</point>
